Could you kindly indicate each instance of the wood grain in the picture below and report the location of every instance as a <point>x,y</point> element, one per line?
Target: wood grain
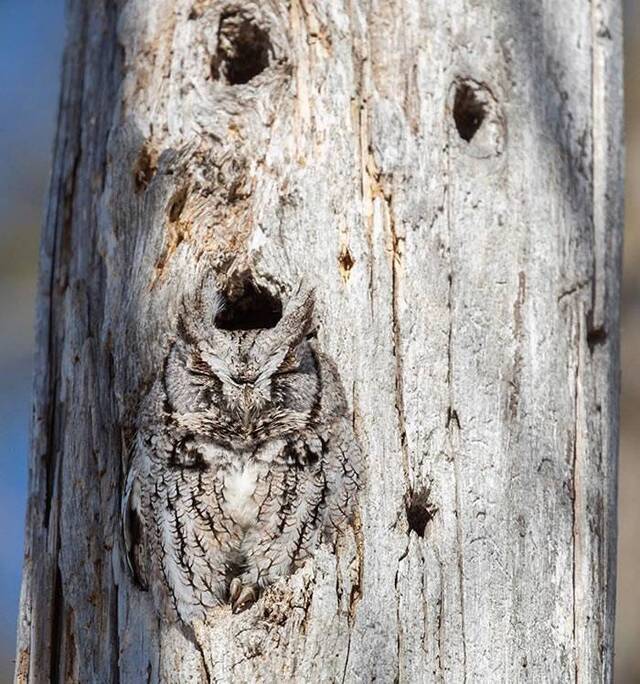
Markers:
<point>447,175</point>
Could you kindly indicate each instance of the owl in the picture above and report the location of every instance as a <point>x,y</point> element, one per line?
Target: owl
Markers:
<point>243,461</point>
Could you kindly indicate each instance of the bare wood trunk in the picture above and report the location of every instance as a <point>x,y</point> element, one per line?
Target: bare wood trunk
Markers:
<point>448,176</point>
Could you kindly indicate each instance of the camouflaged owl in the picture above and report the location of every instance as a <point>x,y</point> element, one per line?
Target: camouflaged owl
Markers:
<point>244,459</point>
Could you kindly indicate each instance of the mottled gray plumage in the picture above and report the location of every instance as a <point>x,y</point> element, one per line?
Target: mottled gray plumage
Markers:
<point>244,459</point>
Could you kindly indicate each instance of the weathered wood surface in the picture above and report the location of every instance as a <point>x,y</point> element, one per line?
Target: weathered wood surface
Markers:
<point>468,291</point>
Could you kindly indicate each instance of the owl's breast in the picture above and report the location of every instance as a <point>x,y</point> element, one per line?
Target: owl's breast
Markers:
<point>240,489</point>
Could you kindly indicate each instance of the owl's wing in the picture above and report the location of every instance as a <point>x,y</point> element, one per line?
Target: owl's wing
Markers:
<point>342,465</point>
<point>133,529</point>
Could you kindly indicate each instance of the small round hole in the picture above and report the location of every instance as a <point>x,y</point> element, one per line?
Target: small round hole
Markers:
<point>469,110</point>
<point>419,509</point>
<point>345,262</point>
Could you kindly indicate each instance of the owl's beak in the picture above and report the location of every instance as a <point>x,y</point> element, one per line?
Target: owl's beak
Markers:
<point>246,412</point>
<point>246,420</point>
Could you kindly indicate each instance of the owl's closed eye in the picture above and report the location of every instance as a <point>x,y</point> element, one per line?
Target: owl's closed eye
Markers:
<point>251,384</point>
<point>244,458</point>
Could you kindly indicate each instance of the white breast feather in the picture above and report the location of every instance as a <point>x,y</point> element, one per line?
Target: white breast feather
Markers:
<point>239,487</point>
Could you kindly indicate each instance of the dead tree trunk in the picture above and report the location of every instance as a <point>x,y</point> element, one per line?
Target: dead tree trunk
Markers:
<point>448,176</point>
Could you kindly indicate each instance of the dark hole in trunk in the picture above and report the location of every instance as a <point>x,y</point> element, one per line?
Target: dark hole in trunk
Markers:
<point>249,308</point>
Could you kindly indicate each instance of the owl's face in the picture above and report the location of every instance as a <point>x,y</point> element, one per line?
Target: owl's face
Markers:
<point>244,387</point>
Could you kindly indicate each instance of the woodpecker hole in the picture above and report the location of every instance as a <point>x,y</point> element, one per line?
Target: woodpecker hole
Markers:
<point>596,337</point>
<point>249,307</point>
<point>420,510</point>
<point>469,109</point>
<point>244,50</point>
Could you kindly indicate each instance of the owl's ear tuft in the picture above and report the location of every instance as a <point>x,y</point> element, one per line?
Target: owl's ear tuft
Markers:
<point>199,308</point>
<point>297,320</point>
<point>210,303</point>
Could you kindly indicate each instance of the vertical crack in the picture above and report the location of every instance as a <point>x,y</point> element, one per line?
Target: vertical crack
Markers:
<point>452,419</point>
<point>346,660</point>
<point>57,627</point>
<point>574,494</point>
<point>599,162</point>
<point>397,245</point>
<point>115,638</point>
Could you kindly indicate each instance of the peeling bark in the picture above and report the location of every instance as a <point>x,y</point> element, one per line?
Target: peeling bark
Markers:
<point>448,176</point>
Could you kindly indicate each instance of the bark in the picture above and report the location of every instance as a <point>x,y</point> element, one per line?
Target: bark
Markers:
<point>448,176</point>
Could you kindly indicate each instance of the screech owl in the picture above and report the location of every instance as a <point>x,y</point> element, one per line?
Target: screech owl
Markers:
<point>244,459</point>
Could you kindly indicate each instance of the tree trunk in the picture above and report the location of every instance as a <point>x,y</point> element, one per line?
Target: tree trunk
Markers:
<point>448,176</point>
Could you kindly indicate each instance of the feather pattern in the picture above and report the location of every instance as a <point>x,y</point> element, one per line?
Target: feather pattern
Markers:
<point>243,462</point>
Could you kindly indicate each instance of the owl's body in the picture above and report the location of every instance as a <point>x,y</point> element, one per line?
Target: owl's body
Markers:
<point>244,459</point>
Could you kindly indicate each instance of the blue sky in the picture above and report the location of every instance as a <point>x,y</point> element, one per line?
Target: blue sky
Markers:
<point>31,37</point>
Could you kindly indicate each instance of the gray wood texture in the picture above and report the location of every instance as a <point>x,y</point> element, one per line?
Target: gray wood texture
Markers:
<point>447,174</point>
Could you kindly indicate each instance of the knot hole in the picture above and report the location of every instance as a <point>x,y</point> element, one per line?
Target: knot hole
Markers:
<point>469,109</point>
<point>244,49</point>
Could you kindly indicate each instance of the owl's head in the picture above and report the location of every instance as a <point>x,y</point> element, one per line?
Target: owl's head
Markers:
<point>244,387</point>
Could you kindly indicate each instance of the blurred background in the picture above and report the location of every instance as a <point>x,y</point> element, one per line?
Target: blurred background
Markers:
<point>31,38</point>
